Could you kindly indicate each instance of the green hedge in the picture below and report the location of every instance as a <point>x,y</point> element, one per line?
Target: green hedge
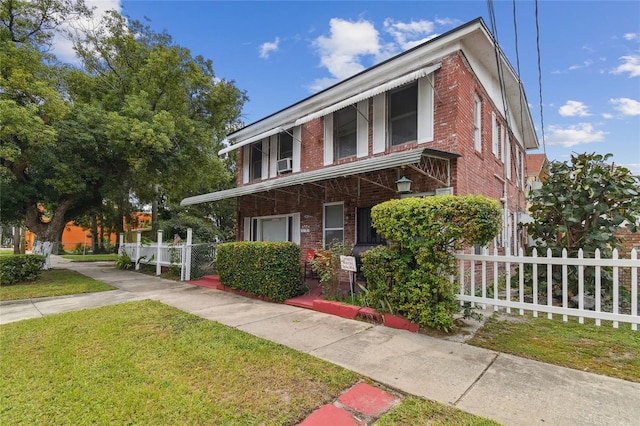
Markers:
<point>411,278</point>
<point>20,268</point>
<point>266,269</point>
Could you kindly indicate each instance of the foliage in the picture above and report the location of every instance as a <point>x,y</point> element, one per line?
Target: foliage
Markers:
<point>419,412</point>
<point>328,267</point>
<point>20,268</point>
<point>124,261</point>
<point>411,277</point>
<point>140,120</point>
<point>265,269</point>
<point>582,205</point>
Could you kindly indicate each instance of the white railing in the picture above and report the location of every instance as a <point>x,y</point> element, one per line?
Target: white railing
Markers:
<point>486,279</point>
<point>159,253</point>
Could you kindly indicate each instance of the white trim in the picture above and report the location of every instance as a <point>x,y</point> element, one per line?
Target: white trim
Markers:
<point>477,123</point>
<point>379,123</point>
<point>247,229</point>
<point>273,156</point>
<point>297,145</point>
<point>362,129</point>
<point>324,222</point>
<point>246,160</point>
<point>328,140</point>
<point>494,134</point>
<point>366,94</point>
<point>425,111</point>
<point>265,159</point>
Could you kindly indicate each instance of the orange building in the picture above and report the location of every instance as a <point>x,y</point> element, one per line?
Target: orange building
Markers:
<point>77,237</point>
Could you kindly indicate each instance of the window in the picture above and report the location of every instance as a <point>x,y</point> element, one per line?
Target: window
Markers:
<point>285,145</point>
<point>255,161</point>
<point>403,115</point>
<point>365,232</point>
<point>345,132</point>
<point>495,133</point>
<point>273,228</point>
<point>477,123</point>
<point>333,224</point>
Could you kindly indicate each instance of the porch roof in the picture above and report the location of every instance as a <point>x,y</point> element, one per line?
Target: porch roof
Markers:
<point>381,162</point>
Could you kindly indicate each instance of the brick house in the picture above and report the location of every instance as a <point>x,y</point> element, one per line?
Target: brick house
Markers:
<point>450,115</point>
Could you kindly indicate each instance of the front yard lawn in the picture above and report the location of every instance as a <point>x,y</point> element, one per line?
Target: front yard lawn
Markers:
<point>605,350</point>
<point>54,282</point>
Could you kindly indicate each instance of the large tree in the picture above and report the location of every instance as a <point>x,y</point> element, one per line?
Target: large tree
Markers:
<point>141,119</point>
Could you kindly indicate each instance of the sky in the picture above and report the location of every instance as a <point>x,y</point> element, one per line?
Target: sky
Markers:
<point>586,97</point>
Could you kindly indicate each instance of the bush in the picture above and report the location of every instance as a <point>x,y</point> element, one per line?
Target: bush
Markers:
<point>124,261</point>
<point>20,268</point>
<point>411,278</point>
<point>266,269</point>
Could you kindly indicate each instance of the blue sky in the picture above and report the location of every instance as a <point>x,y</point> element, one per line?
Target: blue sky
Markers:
<point>282,52</point>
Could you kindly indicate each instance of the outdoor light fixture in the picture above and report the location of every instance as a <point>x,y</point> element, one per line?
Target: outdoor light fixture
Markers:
<point>404,185</point>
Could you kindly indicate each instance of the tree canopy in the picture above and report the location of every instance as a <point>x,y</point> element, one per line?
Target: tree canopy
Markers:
<point>583,204</point>
<point>140,120</point>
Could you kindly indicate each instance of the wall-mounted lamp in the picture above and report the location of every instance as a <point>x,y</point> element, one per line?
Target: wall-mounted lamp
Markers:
<point>404,185</point>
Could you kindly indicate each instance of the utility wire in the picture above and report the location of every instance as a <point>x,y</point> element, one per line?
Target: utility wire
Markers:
<point>544,145</point>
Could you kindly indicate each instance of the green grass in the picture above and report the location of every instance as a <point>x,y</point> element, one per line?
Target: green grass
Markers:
<point>605,350</point>
<point>148,363</point>
<point>54,282</point>
<point>91,257</point>
<point>418,412</point>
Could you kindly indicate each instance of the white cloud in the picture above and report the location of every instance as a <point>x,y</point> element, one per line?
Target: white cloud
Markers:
<point>344,51</point>
<point>62,46</point>
<point>348,41</point>
<point>409,34</point>
<point>581,133</point>
<point>574,109</point>
<point>630,36</point>
<point>631,65</point>
<point>607,116</point>
<point>626,106</point>
<point>268,47</point>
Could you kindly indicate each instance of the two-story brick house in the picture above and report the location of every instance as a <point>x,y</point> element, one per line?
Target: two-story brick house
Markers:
<point>450,115</point>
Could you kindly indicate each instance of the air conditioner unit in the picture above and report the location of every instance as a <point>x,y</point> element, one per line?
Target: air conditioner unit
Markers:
<point>445,191</point>
<point>284,165</point>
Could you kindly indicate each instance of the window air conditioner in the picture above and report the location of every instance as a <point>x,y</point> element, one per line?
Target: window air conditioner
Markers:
<point>445,191</point>
<point>284,165</point>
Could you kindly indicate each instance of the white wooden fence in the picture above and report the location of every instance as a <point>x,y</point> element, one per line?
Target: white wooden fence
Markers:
<point>485,279</point>
<point>175,253</point>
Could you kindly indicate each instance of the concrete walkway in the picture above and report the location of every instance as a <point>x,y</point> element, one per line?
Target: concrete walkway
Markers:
<point>508,389</point>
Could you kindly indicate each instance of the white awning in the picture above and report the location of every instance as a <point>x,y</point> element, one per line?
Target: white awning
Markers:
<point>381,162</point>
<point>397,82</point>
<point>252,139</point>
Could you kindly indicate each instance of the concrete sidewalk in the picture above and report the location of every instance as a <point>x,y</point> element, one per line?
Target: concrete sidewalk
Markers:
<point>508,389</point>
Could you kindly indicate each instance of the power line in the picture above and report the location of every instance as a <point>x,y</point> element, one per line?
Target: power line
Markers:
<point>544,145</point>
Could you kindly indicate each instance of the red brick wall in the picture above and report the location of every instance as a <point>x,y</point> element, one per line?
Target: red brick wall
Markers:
<point>474,173</point>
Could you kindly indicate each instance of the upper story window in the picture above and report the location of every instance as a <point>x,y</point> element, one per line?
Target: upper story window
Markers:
<point>403,115</point>
<point>477,123</point>
<point>285,145</point>
<point>255,161</point>
<point>345,130</point>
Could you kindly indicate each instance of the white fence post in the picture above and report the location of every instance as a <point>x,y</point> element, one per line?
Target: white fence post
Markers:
<point>186,257</point>
<point>137,251</point>
<point>634,289</point>
<point>159,254</point>
<point>121,245</point>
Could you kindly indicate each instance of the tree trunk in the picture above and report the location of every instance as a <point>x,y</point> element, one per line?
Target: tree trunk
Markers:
<point>46,232</point>
<point>94,234</point>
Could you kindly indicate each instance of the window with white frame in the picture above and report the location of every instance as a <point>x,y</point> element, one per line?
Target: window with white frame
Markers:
<point>477,123</point>
<point>273,228</point>
<point>255,161</point>
<point>285,144</point>
<point>333,224</point>
<point>403,115</point>
<point>345,130</point>
<point>495,135</point>
<point>507,161</point>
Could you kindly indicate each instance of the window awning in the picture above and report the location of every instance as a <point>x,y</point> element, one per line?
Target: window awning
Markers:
<point>382,162</point>
<point>397,82</point>
<point>251,140</point>
<point>384,87</point>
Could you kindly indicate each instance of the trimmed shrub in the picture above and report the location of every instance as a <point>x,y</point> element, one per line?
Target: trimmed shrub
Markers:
<point>411,277</point>
<point>265,269</point>
<point>20,268</point>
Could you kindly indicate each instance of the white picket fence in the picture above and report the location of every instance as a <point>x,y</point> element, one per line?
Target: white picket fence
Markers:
<point>490,274</point>
<point>160,253</point>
